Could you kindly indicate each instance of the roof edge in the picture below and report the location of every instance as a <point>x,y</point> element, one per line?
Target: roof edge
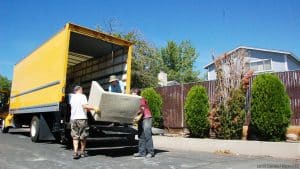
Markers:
<point>258,49</point>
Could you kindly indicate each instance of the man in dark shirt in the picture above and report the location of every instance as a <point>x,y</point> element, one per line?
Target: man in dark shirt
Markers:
<point>115,86</point>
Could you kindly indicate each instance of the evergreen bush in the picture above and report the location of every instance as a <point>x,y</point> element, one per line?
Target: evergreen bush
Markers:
<point>270,108</point>
<point>155,104</point>
<point>197,111</point>
<point>233,116</point>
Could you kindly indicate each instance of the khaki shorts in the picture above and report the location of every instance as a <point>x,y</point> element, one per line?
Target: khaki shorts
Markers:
<point>79,129</point>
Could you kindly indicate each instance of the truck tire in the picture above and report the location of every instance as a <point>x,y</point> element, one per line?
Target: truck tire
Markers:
<point>34,129</point>
<point>3,128</point>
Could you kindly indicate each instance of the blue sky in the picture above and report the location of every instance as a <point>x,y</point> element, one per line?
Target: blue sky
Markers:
<point>209,24</point>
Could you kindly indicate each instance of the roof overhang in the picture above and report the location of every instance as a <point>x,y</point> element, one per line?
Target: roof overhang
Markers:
<point>258,49</point>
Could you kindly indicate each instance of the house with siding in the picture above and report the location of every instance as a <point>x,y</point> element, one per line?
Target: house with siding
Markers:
<point>262,60</point>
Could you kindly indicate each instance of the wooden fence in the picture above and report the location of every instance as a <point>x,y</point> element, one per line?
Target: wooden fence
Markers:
<point>174,98</point>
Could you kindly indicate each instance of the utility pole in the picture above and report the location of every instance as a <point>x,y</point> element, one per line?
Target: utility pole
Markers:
<point>212,51</point>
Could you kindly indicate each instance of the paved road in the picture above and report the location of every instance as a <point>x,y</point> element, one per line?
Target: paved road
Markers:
<point>18,152</point>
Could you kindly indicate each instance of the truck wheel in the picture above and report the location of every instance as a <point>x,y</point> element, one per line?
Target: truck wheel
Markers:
<point>35,128</point>
<point>3,128</point>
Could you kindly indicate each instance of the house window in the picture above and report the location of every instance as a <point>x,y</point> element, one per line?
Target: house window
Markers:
<point>260,66</point>
<point>267,65</point>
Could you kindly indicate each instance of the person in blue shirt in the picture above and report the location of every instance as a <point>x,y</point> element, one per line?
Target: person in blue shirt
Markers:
<point>116,85</point>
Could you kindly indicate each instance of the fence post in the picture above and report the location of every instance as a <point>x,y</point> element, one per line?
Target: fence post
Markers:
<point>248,103</point>
<point>182,106</point>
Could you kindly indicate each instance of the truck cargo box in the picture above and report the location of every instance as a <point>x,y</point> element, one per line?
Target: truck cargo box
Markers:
<point>41,81</point>
<point>75,55</point>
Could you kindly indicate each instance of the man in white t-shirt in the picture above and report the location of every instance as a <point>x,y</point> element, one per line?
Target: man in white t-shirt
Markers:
<point>79,120</point>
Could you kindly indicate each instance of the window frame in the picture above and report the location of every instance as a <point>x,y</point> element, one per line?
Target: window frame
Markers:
<point>261,60</point>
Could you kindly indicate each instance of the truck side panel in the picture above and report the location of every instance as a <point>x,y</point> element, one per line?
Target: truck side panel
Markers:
<point>39,79</point>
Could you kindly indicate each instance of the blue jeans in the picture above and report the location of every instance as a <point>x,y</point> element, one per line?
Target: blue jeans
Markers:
<point>145,137</point>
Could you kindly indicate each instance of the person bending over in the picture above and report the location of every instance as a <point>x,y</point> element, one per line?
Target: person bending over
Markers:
<point>79,120</point>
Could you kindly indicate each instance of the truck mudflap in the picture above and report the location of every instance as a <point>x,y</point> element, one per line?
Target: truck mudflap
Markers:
<point>45,132</point>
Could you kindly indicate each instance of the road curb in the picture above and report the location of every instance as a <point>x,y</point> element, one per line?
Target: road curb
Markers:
<point>244,147</point>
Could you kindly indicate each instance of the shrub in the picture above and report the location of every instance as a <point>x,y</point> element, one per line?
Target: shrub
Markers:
<point>197,111</point>
<point>233,116</point>
<point>270,108</point>
<point>155,104</point>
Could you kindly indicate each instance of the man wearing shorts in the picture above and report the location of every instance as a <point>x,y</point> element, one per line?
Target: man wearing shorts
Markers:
<point>79,120</point>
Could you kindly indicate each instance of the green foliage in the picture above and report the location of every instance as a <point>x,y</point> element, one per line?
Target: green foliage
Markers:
<point>270,108</point>
<point>197,111</point>
<point>227,113</point>
<point>232,118</point>
<point>143,80</point>
<point>146,62</point>
<point>5,84</point>
<point>155,105</point>
<point>178,61</point>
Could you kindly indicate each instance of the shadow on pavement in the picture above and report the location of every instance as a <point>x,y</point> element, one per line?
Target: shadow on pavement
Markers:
<point>112,151</point>
<point>116,148</point>
<point>113,148</point>
<point>27,134</point>
<point>117,152</point>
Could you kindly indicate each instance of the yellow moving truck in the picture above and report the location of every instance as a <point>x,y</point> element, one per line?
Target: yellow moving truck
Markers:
<point>42,80</point>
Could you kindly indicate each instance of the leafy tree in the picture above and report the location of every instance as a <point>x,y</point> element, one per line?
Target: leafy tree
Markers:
<point>5,84</point>
<point>146,62</point>
<point>227,111</point>
<point>270,108</point>
<point>175,59</point>
<point>178,60</point>
<point>197,111</point>
<point>155,104</point>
